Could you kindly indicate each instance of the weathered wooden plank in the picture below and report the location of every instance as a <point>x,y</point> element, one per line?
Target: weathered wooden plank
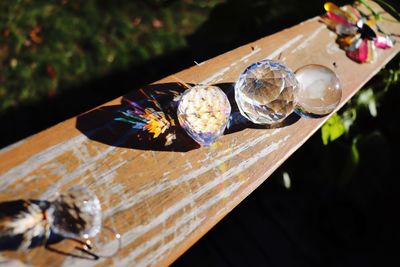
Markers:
<point>162,201</point>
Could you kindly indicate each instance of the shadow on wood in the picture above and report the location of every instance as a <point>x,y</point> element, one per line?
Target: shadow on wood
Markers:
<point>23,226</point>
<point>146,119</point>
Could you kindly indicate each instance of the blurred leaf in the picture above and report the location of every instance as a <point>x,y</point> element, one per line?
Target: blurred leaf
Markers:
<point>332,129</point>
<point>372,108</point>
<point>355,154</point>
<point>364,97</point>
<point>287,183</point>
<point>349,116</point>
<point>367,98</point>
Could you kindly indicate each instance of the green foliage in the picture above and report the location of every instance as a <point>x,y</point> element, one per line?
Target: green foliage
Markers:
<point>47,46</point>
<point>365,129</point>
<point>355,154</point>
<point>332,129</point>
<point>367,99</point>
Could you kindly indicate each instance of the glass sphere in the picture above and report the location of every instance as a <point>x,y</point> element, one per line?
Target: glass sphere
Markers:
<point>204,112</point>
<point>264,92</point>
<point>76,213</point>
<point>319,92</point>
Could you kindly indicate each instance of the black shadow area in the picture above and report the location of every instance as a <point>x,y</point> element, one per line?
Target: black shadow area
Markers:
<point>134,123</point>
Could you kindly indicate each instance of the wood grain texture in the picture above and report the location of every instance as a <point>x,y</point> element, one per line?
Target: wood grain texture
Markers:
<point>163,201</point>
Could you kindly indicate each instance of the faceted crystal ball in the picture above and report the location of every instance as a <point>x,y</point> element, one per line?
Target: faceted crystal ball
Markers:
<point>76,213</point>
<point>319,92</point>
<point>265,92</point>
<point>204,112</point>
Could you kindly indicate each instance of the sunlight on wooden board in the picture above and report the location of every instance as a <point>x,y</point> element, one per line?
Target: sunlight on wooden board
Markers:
<point>162,201</point>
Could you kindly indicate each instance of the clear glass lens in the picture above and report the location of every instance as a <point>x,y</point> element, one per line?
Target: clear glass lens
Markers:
<point>319,92</point>
<point>264,92</point>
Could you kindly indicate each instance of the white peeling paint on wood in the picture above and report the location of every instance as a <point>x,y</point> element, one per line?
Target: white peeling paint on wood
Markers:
<point>276,53</point>
<point>332,48</point>
<point>308,40</point>
<point>247,57</point>
<point>83,170</point>
<point>157,187</point>
<point>219,74</point>
<point>243,166</point>
<point>213,77</point>
<point>188,224</point>
<point>188,218</point>
<point>36,161</point>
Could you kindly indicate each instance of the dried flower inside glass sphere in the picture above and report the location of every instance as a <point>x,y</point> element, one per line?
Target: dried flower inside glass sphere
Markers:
<point>265,92</point>
<point>319,92</point>
<point>76,213</point>
<point>204,112</point>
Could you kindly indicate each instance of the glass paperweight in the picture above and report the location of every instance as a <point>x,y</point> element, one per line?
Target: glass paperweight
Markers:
<point>204,112</point>
<point>76,213</point>
<point>319,91</point>
<point>264,92</point>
